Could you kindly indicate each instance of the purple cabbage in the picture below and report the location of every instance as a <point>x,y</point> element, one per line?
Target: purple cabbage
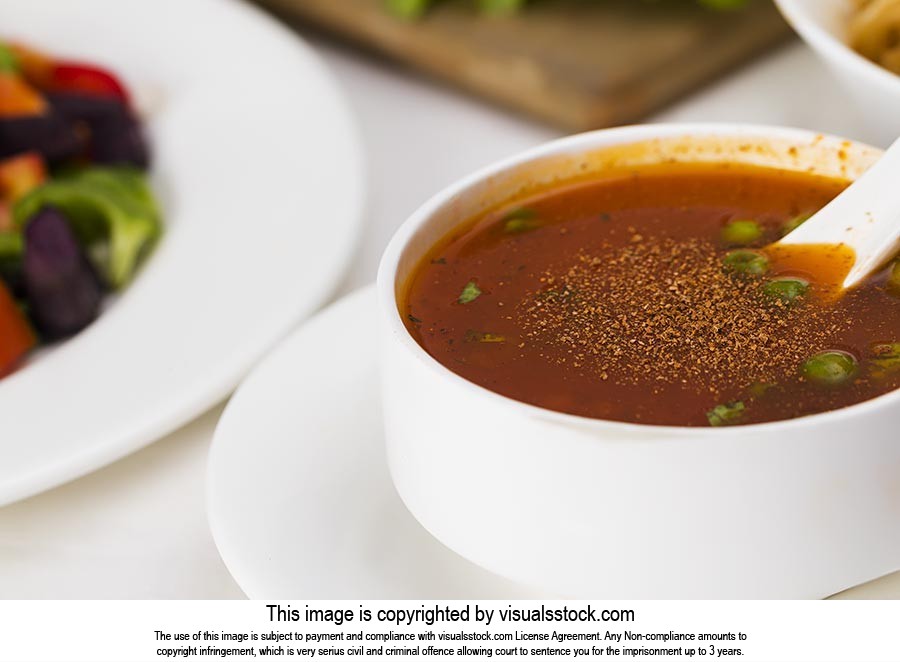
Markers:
<point>116,136</point>
<point>52,135</point>
<point>103,129</point>
<point>62,289</point>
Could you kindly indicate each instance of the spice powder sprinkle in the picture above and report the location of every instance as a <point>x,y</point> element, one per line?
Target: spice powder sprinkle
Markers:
<point>667,311</point>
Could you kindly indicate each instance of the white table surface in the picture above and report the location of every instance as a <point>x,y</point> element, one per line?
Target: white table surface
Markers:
<point>137,529</point>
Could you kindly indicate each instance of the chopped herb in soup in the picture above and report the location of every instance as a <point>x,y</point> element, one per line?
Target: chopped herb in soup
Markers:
<point>653,298</point>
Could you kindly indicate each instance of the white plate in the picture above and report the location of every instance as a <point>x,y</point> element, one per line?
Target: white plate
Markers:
<point>299,497</point>
<point>259,174</point>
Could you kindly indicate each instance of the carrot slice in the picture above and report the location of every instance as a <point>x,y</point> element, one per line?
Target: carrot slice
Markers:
<point>20,174</point>
<point>37,67</point>
<point>18,98</point>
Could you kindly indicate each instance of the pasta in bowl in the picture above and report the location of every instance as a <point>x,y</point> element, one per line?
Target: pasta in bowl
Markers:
<point>874,31</point>
<point>860,42</point>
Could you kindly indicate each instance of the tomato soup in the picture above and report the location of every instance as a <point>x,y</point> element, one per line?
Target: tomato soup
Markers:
<point>650,297</point>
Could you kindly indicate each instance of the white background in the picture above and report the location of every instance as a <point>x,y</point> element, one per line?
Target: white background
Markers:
<point>137,529</point>
<point>775,630</point>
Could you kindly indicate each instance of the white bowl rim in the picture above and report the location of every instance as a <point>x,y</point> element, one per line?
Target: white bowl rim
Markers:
<point>822,39</point>
<point>387,270</point>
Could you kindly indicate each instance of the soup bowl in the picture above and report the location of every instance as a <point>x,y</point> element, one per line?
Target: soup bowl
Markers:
<point>582,507</point>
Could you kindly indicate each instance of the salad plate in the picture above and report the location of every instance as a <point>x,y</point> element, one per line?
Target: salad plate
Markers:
<point>258,172</point>
<point>299,497</point>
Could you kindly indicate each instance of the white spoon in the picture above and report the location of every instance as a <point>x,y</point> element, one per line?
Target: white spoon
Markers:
<point>864,217</point>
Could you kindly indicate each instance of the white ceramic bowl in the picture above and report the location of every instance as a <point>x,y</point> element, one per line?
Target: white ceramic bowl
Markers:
<point>582,507</point>
<point>823,25</point>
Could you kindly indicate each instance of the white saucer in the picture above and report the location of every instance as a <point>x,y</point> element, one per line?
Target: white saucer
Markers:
<point>300,501</point>
<point>299,497</point>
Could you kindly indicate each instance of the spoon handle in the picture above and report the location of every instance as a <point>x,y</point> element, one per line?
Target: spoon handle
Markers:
<point>865,217</point>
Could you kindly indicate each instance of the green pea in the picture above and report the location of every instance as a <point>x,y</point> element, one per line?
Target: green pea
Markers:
<point>521,220</point>
<point>830,368</point>
<point>786,289</point>
<point>792,224</point>
<point>885,358</point>
<point>520,213</point>
<point>489,338</point>
<point>469,293</point>
<point>741,233</point>
<point>727,414</point>
<point>759,389</point>
<point>893,282</point>
<point>885,350</point>
<point>743,261</point>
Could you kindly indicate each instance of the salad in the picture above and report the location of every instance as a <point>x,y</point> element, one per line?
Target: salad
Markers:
<point>76,213</point>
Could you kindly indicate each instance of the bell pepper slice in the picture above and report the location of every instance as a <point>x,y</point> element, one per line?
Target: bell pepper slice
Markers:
<point>12,247</point>
<point>52,75</point>
<point>86,79</point>
<point>16,335</point>
<point>110,203</point>
<point>10,243</point>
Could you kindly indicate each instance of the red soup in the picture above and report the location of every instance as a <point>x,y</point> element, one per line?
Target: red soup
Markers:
<point>650,298</point>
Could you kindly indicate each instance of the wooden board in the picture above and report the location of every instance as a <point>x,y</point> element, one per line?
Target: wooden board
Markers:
<point>579,64</point>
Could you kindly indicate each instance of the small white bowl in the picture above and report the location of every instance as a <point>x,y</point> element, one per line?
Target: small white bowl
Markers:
<point>823,25</point>
<point>582,507</point>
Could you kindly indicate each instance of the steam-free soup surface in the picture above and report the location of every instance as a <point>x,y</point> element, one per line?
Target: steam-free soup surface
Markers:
<point>648,298</point>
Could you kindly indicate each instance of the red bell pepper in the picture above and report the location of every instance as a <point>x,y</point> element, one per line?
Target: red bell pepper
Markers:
<point>20,174</point>
<point>86,79</point>
<point>16,336</point>
<point>73,77</point>
<point>18,98</point>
